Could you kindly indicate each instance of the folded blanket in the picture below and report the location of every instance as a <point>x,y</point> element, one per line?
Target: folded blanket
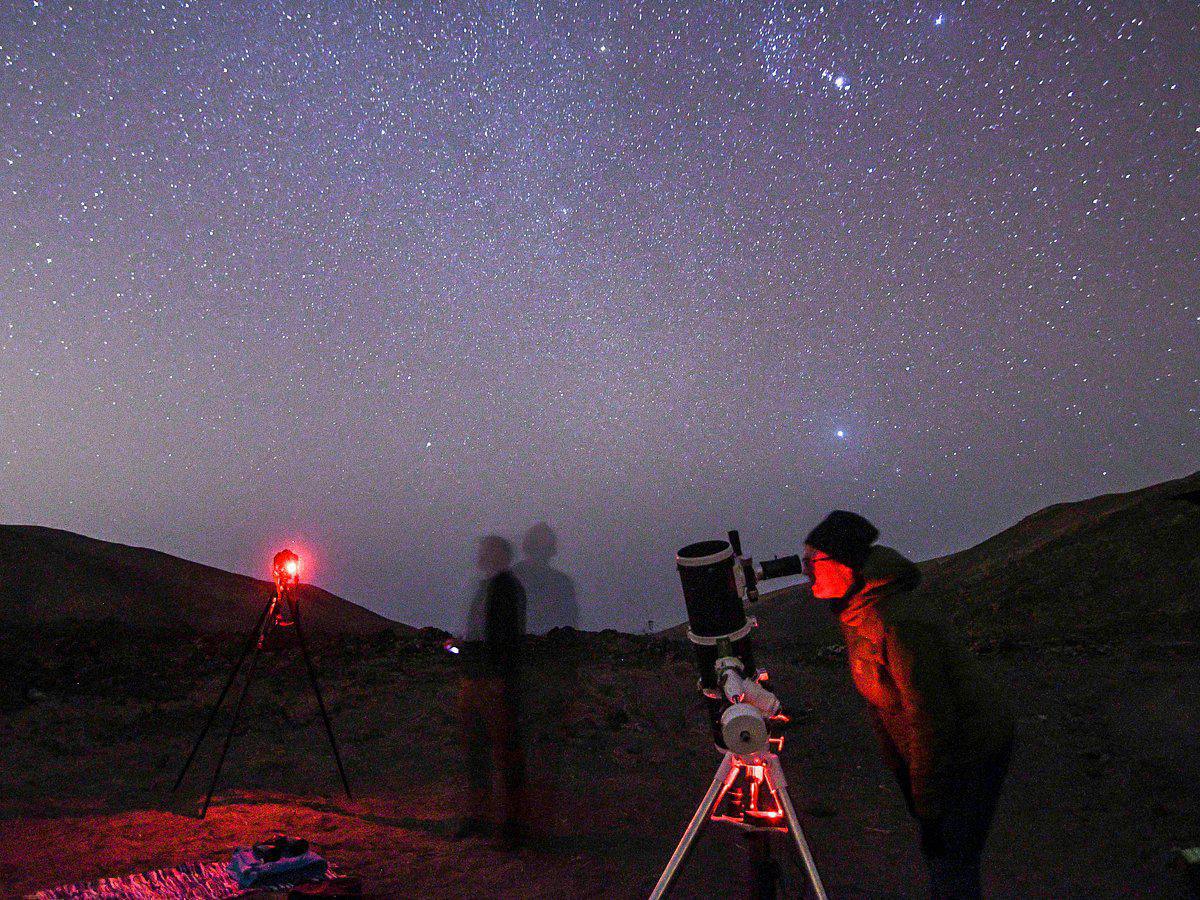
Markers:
<point>192,881</point>
<point>250,871</point>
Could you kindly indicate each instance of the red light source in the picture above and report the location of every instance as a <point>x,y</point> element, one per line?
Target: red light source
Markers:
<point>749,797</point>
<point>286,568</point>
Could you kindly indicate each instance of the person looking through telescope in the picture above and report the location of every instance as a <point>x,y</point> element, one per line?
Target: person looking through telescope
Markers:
<point>488,701</point>
<point>942,725</point>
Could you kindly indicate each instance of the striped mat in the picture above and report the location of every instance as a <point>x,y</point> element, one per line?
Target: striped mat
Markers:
<point>193,881</point>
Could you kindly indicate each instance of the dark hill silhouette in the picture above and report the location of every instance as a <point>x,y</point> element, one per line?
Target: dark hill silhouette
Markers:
<point>1118,562</point>
<point>1126,561</point>
<point>48,575</point>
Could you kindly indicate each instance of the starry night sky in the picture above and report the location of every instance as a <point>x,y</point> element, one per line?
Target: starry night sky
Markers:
<point>379,277</point>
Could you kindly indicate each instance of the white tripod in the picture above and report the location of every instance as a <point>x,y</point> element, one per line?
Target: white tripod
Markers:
<point>749,789</point>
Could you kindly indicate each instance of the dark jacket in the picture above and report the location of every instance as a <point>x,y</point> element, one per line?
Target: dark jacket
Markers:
<point>495,628</point>
<point>934,710</point>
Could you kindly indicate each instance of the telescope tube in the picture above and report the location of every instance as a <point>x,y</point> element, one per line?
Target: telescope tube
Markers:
<point>717,624</point>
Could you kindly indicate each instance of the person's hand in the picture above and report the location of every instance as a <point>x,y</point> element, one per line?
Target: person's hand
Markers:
<point>933,841</point>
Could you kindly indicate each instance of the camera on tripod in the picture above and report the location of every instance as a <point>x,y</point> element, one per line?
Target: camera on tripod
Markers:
<point>285,567</point>
<point>282,610</point>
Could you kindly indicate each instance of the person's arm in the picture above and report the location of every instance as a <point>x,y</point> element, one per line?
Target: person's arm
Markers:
<point>916,664</point>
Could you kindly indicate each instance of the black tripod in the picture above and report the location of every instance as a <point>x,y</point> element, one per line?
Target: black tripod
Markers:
<point>282,609</point>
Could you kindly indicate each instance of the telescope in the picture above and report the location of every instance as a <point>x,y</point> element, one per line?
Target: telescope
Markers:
<point>718,584</point>
<point>748,721</point>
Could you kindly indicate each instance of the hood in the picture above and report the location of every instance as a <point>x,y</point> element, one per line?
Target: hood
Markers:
<point>885,572</point>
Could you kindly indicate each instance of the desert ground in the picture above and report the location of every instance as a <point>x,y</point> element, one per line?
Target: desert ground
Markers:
<point>97,720</point>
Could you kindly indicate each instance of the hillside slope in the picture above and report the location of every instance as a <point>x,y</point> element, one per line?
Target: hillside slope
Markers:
<point>48,575</point>
<point>1118,562</point>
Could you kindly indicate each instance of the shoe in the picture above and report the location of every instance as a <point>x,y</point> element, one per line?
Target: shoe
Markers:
<point>512,837</point>
<point>469,827</point>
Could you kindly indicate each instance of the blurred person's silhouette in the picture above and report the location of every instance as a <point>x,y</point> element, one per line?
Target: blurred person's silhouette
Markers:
<point>549,725</point>
<point>491,659</point>
<point>550,593</point>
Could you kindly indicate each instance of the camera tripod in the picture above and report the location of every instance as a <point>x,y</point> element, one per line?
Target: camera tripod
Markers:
<point>750,792</point>
<point>282,610</point>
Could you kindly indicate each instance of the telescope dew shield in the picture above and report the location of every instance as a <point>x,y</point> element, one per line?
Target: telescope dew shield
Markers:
<point>709,590</point>
<point>715,613</point>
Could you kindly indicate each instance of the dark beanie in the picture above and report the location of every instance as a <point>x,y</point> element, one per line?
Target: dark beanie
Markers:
<point>845,536</point>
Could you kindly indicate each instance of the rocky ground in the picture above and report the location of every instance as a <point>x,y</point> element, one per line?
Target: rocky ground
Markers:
<point>95,724</point>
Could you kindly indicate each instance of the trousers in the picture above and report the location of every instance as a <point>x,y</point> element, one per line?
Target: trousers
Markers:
<point>492,741</point>
<point>955,872</point>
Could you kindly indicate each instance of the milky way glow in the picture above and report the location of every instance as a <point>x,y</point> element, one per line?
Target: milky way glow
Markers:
<point>393,275</point>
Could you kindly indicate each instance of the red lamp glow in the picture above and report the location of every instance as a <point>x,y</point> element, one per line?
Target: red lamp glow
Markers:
<point>286,568</point>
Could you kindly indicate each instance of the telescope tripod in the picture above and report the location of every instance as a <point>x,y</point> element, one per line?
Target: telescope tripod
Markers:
<point>751,793</point>
<point>282,610</point>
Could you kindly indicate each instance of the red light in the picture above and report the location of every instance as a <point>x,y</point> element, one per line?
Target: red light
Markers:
<point>286,567</point>
<point>748,798</point>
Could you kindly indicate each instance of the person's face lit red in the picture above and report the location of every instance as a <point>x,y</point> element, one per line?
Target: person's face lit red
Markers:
<point>830,578</point>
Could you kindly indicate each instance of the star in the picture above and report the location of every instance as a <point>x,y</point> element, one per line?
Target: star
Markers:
<point>592,252</point>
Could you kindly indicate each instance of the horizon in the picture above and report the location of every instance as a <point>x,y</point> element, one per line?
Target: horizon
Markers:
<point>659,625</point>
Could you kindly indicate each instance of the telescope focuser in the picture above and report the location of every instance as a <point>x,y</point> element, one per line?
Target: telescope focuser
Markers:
<point>747,573</point>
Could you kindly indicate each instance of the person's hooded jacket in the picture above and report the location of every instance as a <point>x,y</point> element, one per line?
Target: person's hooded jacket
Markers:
<point>932,707</point>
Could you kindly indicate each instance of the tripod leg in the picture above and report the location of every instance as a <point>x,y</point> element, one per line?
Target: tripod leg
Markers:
<point>671,872</point>
<point>237,711</point>
<point>312,677</point>
<point>779,783</point>
<point>212,716</point>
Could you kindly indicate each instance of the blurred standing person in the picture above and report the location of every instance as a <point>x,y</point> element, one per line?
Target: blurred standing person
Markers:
<point>550,592</point>
<point>551,604</point>
<point>488,703</point>
<point>943,726</point>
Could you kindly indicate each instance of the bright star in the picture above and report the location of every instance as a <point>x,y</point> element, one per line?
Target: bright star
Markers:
<point>839,82</point>
<point>939,20</point>
<point>841,433</point>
